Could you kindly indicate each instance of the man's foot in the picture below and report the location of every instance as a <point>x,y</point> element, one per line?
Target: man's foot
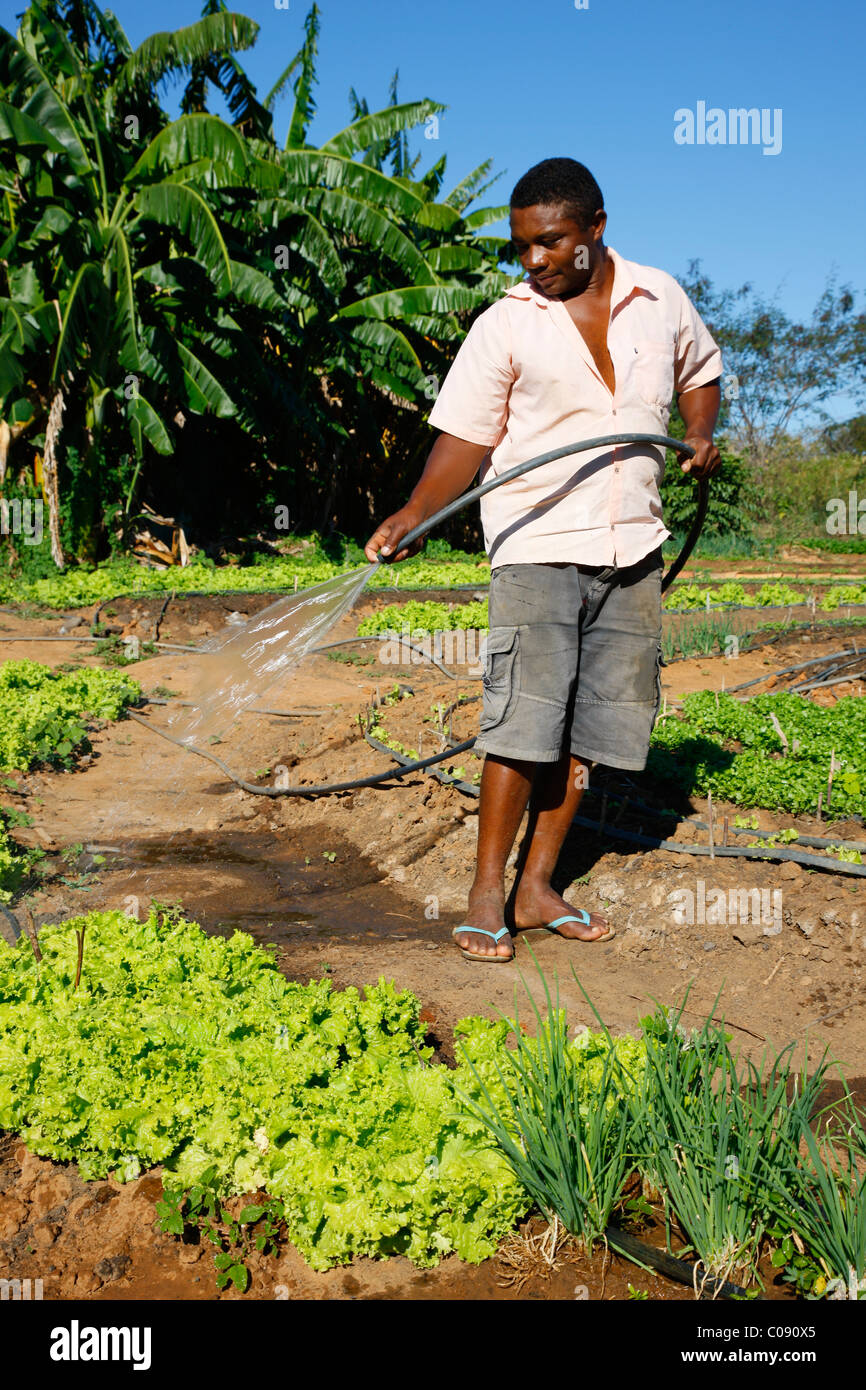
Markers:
<point>485,911</point>
<point>537,905</point>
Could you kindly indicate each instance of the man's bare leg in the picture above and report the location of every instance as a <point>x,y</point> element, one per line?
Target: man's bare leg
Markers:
<point>556,796</point>
<point>506,784</point>
<point>505,787</point>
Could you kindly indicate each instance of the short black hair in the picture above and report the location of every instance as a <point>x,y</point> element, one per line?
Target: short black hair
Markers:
<point>560,182</point>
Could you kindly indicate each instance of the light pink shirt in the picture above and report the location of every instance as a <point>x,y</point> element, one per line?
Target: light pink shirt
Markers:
<point>524,381</point>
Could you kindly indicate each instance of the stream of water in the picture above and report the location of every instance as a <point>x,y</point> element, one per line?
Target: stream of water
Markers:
<point>245,661</point>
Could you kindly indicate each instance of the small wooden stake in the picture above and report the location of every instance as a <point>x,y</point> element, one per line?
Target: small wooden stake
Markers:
<point>31,932</point>
<point>725,832</point>
<point>830,778</point>
<point>710,816</point>
<point>820,800</point>
<point>80,936</point>
<point>296,583</point>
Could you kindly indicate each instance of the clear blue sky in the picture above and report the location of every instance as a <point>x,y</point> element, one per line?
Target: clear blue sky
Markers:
<point>523,81</point>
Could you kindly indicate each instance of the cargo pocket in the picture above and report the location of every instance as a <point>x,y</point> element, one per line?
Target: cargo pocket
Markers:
<point>499,676</point>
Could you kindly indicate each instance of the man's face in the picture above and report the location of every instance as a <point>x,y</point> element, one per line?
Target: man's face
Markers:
<point>557,252</point>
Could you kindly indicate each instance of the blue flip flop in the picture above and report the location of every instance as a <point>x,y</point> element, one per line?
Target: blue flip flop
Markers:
<point>495,936</point>
<point>581,916</point>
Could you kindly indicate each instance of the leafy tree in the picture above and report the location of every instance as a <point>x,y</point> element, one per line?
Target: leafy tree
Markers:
<point>778,369</point>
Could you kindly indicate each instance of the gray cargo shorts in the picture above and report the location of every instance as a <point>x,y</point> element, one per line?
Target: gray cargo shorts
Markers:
<point>573,662</point>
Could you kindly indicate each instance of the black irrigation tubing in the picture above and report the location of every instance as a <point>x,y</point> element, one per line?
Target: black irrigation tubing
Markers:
<point>853,667</point>
<point>325,790</point>
<point>407,765</point>
<point>811,861</point>
<point>801,666</point>
<point>837,680</point>
<point>758,608</point>
<point>671,1267</point>
<point>813,841</point>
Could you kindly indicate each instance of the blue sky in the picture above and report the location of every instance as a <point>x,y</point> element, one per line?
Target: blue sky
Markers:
<point>602,84</point>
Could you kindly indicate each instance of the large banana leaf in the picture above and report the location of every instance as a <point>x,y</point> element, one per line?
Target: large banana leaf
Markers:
<point>39,31</point>
<point>305,106</point>
<point>53,223</point>
<point>381,125</point>
<point>387,339</point>
<point>312,243</point>
<point>166,52</point>
<point>199,376</point>
<point>128,351</point>
<point>414,299</point>
<point>313,170</point>
<point>484,216</point>
<point>253,287</point>
<point>86,301</point>
<point>438,216</point>
<point>205,173</point>
<point>454,257</point>
<point>23,130</point>
<point>149,423</point>
<point>470,188</point>
<point>185,211</point>
<point>20,74</point>
<point>369,226</point>
<point>185,141</point>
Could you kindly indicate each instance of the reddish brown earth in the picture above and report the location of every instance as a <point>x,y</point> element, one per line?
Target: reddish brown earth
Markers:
<point>370,883</point>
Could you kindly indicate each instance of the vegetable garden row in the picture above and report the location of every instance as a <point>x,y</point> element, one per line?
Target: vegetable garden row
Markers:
<point>192,1051</point>
<point>442,569</point>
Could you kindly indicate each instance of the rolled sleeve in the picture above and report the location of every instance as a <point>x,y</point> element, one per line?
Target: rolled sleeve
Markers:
<point>698,358</point>
<point>473,401</point>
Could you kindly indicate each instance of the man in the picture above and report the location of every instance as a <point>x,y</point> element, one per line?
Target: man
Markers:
<point>590,344</point>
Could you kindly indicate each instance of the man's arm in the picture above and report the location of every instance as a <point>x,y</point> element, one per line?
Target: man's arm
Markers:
<point>700,410</point>
<point>451,465</point>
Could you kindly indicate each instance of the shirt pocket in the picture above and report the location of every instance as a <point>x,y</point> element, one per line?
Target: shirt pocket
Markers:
<point>654,371</point>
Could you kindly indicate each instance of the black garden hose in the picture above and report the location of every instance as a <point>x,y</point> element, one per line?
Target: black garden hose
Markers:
<point>600,441</point>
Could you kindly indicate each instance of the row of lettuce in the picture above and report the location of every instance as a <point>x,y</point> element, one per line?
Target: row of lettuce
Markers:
<point>193,1051</point>
<point>443,569</point>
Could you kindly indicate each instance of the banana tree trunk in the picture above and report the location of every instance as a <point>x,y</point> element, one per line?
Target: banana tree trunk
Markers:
<point>49,477</point>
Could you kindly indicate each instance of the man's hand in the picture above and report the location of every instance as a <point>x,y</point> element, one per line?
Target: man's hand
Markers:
<point>450,468</point>
<point>387,537</point>
<point>707,459</point>
<point>700,410</point>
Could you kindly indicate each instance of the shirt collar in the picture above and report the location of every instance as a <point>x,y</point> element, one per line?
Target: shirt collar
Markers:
<point>624,284</point>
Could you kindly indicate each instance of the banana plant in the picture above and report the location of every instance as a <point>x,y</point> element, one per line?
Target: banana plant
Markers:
<point>90,213</point>
<point>159,273</point>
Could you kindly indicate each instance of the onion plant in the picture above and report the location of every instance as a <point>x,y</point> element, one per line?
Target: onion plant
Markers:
<point>714,1134</point>
<point>824,1197</point>
<point>571,1152</point>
